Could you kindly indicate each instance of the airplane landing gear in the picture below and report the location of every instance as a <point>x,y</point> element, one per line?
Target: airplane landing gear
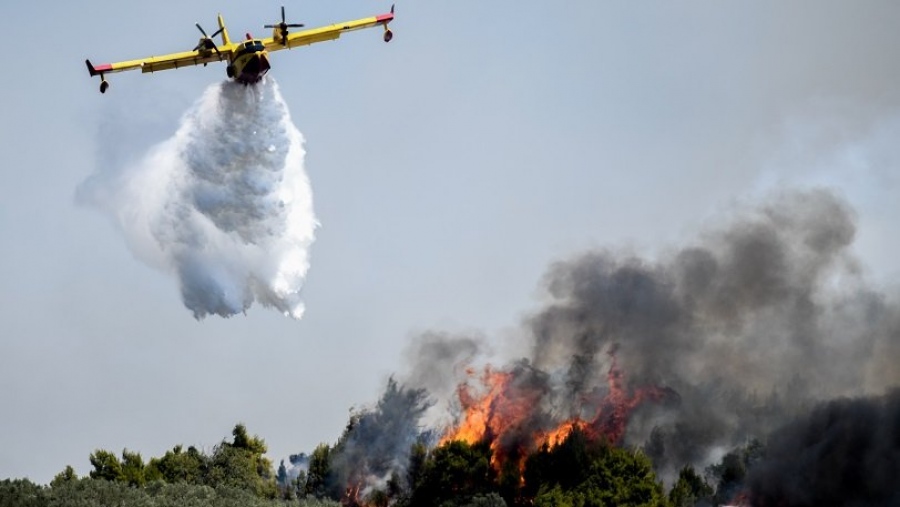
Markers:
<point>103,86</point>
<point>388,35</point>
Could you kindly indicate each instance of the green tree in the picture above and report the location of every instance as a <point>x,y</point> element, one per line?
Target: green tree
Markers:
<point>565,464</point>
<point>256,448</point>
<point>729,474</point>
<point>282,476</point>
<point>21,493</point>
<point>553,497</point>
<point>319,474</point>
<point>622,478</point>
<point>89,493</point>
<point>510,481</point>
<point>418,455</point>
<point>67,475</point>
<point>455,471</point>
<point>689,489</point>
<point>106,466</point>
<point>378,498</point>
<point>178,466</point>
<point>299,485</point>
<point>585,473</point>
<point>132,468</point>
<point>286,490</point>
<point>238,468</point>
<point>242,440</point>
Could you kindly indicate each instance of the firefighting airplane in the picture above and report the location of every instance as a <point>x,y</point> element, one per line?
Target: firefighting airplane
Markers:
<point>248,60</point>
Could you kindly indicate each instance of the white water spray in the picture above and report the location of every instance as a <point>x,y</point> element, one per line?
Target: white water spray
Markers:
<point>224,204</point>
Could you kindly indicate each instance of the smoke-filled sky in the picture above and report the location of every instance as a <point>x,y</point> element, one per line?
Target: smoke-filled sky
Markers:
<point>450,169</point>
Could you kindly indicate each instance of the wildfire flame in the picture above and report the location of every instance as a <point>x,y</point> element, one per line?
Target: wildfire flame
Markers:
<point>506,414</point>
<point>351,496</point>
<point>483,413</point>
<point>742,499</point>
<point>560,433</point>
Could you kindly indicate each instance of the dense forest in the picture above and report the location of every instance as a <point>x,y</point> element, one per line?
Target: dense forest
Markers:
<point>576,472</point>
<point>843,452</point>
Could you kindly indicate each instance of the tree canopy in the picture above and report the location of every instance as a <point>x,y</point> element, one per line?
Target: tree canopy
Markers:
<point>578,472</point>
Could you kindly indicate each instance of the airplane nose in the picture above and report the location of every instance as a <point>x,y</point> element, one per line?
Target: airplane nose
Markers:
<point>263,61</point>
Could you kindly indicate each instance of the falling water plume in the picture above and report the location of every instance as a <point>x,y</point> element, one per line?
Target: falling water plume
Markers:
<point>224,204</point>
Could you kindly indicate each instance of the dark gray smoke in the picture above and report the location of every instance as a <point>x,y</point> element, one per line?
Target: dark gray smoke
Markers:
<point>749,326</point>
<point>845,452</point>
<point>375,445</point>
<point>439,363</point>
<point>439,358</point>
<point>688,355</point>
<point>746,328</point>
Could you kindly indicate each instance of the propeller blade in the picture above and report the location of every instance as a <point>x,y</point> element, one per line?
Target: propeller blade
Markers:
<point>207,41</point>
<point>283,26</point>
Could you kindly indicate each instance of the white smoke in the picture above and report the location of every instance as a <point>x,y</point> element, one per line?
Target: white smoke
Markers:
<point>224,204</point>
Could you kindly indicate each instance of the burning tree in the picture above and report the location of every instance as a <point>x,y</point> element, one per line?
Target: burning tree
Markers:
<point>372,455</point>
<point>677,355</point>
<point>508,410</point>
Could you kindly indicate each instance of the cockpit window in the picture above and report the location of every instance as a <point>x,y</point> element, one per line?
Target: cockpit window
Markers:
<point>252,46</point>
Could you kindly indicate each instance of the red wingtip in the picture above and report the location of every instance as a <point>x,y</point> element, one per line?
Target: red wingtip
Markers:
<point>100,69</point>
<point>386,18</point>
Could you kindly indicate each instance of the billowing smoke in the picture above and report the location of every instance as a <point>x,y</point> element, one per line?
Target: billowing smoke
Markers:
<point>710,347</point>
<point>844,452</point>
<point>224,204</point>
<point>749,325</point>
<point>374,448</point>
<point>701,349</point>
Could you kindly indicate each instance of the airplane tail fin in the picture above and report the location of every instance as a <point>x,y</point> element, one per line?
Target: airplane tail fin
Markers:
<point>91,68</point>
<point>225,39</point>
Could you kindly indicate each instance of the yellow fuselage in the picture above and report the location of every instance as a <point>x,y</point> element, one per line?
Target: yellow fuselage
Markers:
<point>249,62</point>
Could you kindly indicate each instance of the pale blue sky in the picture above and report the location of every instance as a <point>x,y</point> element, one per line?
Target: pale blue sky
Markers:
<point>449,168</point>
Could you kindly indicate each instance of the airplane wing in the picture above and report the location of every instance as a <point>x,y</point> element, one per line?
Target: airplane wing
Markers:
<point>164,62</point>
<point>326,33</point>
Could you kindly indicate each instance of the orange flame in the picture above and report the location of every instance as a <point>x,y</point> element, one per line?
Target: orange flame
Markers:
<point>351,495</point>
<point>479,418</point>
<point>499,411</point>
<point>560,433</point>
<point>502,406</point>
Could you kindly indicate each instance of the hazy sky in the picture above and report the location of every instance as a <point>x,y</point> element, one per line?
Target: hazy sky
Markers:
<point>449,168</point>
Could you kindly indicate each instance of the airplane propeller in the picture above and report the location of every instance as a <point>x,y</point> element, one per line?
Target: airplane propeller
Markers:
<point>283,26</point>
<point>207,41</point>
